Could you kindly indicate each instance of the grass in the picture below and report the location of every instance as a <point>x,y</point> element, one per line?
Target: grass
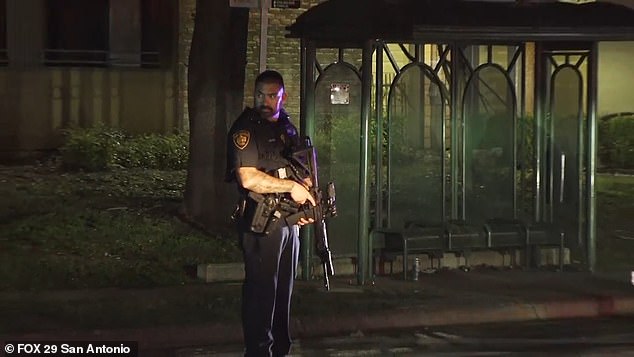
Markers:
<point>69,241</point>
<point>64,230</point>
<point>615,223</point>
<point>70,230</point>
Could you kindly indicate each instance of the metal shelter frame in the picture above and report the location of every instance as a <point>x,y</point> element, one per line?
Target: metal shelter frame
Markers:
<point>565,40</point>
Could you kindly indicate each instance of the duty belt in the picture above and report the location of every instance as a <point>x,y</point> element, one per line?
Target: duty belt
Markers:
<point>271,209</point>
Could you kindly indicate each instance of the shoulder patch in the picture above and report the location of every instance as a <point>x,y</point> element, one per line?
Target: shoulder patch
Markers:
<point>241,139</point>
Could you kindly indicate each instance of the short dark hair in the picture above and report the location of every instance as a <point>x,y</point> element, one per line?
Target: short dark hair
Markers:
<point>270,76</point>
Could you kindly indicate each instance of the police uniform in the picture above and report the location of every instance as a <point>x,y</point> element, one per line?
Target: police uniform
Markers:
<point>270,260</point>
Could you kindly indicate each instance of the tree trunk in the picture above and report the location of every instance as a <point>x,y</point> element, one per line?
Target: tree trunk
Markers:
<point>216,69</point>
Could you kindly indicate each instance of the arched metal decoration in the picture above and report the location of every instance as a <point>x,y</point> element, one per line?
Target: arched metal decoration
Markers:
<point>416,147</point>
<point>337,126</point>
<point>489,154</point>
<point>565,146</point>
<point>466,55</point>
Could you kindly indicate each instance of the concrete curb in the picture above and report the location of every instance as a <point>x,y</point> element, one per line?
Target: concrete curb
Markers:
<point>164,337</point>
<point>416,317</point>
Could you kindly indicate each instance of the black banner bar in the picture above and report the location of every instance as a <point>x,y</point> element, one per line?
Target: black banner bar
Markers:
<point>71,348</point>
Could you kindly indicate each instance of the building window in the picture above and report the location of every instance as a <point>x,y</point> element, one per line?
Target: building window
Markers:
<point>157,32</point>
<point>77,33</point>
<point>4,59</point>
<point>111,33</point>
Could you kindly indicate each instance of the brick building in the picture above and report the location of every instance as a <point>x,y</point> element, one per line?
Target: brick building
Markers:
<point>117,62</point>
<point>123,63</point>
<point>283,53</point>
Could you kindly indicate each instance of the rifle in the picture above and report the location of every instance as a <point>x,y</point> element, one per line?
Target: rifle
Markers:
<point>303,164</point>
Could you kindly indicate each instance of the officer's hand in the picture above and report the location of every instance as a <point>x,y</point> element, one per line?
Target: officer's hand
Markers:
<point>308,183</point>
<point>300,194</point>
<point>304,221</point>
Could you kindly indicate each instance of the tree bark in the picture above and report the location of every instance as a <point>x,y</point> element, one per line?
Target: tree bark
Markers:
<point>217,62</point>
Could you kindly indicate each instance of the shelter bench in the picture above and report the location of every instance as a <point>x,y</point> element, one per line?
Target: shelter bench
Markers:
<point>458,237</point>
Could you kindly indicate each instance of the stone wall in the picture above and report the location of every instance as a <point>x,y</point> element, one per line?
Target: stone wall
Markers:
<point>283,53</point>
<point>284,56</point>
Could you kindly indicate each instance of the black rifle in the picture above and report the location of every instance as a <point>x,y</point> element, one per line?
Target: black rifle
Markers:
<point>303,165</point>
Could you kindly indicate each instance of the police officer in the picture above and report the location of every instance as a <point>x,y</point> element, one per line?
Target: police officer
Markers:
<point>256,145</point>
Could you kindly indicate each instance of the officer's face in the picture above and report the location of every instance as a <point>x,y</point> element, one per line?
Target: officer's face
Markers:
<point>269,99</point>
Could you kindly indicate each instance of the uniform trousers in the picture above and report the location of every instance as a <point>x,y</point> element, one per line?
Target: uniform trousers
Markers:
<point>270,265</point>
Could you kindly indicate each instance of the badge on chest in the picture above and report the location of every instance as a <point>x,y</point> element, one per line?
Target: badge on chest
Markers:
<point>241,139</point>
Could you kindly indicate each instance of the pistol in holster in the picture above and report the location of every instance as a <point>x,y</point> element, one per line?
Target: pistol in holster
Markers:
<point>263,212</point>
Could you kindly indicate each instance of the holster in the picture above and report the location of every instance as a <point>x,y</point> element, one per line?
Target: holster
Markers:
<point>262,214</point>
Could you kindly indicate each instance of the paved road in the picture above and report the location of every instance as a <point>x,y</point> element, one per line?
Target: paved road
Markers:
<point>587,337</point>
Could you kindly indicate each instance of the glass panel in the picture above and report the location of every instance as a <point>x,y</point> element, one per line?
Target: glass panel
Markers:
<point>566,111</point>
<point>157,26</point>
<point>415,129</point>
<point>124,36</point>
<point>338,149</point>
<point>489,111</point>
<point>326,55</point>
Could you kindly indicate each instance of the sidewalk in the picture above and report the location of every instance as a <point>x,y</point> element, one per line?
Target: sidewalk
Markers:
<point>208,314</point>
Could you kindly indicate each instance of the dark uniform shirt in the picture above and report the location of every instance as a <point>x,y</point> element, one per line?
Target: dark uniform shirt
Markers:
<point>270,258</point>
<point>257,142</point>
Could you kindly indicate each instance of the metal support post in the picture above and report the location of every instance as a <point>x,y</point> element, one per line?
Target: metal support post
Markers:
<point>591,155</point>
<point>307,127</point>
<point>264,29</point>
<point>363,261</point>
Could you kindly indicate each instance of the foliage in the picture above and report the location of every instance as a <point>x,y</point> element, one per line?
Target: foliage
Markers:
<point>154,151</point>
<point>615,228</point>
<point>104,229</point>
<point>91,149</point>
<point>616,141</point>
<point>337,139</point>
<point>525,161</point>
<point>99,148</point>
<point>526,142</point>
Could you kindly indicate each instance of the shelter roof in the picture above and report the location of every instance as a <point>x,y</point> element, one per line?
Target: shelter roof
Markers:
<point>340,21</point>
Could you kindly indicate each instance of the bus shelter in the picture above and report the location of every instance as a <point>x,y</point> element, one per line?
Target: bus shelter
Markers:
<point>453,126</point>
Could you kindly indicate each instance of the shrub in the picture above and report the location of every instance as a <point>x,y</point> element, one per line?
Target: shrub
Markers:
<point>100,147</point>
<point>90,149</point>
<point>154,151</point>
<point>616,141</point>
